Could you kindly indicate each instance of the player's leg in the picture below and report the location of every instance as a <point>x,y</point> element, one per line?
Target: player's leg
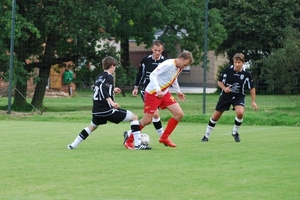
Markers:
<point>222,105</point>
<point>157,123</point>
<point>177,112</point>
<point>128,116</point>
<point>239,110</point>
<point>86,132</point>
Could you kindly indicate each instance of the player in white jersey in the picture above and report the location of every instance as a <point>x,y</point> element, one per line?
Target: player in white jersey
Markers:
<point>157,94</point>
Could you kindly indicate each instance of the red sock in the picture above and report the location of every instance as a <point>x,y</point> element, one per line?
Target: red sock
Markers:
<point>172,123</point>
<point>141,127</point>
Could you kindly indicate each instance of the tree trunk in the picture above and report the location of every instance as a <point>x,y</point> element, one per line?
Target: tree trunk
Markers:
<point>40,89</point>
<point>47,61</point>
<point>125,53</point>
<point>20,96</point>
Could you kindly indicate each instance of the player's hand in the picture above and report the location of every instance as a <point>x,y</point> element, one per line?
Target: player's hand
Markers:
<point>160,94</point>
<point>254,105</point>
<point>181,96</point>
<point>117,90</point>
<point>227,89</point>
<point>134,92</point>
<point>115,105</point>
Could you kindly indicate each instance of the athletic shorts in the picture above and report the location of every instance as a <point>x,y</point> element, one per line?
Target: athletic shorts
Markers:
<point>117,117</point>
<point>225,102</point>
<point>152,102</point>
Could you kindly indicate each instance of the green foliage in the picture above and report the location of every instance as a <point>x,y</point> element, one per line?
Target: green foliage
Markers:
<point>256,27</point>
<point>281,70</point>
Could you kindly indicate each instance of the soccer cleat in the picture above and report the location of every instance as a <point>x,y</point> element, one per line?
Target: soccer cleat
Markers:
<point>204,139</point>
<point>167,142</point>
<point>70,147</point>
<point>125,137</point>
<point>142,146</point>
<point>127,144</point>
<point>236,137</point>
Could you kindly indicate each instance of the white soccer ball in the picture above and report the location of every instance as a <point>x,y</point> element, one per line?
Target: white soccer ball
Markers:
<point>145,138</point>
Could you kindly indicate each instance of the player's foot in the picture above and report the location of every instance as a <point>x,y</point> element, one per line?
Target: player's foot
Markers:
<point>143,146</point>
<point>167,142</point>
<point>236,137</point>
<point>127,144</point>
<point>70,146</point>
<point>204,139</point>
<point>125,136</point>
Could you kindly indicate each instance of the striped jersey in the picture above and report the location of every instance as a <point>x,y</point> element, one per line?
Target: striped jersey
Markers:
<point>163,77</point>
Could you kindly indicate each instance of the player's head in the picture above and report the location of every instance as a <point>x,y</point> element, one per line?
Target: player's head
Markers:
<point>108,62</point>
<point>238,61</point>
<point>184,59</point>
<point>157,49</point>
<point>240,57</point>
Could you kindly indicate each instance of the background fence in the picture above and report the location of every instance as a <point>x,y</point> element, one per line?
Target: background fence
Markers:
<point>54,37</point>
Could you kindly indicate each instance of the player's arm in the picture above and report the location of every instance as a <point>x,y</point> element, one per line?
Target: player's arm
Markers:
<point>137,80</point>
<point>176,87</point>
<point>223,87</point>
<point>253,96</point>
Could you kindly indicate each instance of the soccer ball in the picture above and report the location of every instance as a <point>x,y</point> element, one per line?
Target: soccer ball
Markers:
<point>145,138</point>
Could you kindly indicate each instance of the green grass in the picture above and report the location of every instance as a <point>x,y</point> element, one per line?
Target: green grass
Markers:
<point>35,163</point>
<point>273,110</point>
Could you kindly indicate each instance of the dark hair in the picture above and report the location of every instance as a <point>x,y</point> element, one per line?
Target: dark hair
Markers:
<point>108,61</point>
<point>158,43</point>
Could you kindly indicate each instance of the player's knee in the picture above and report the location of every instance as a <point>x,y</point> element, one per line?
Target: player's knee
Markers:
<point>134,117</point>
<point>179,116</point>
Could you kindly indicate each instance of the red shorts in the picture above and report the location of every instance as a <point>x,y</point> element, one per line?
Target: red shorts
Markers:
<point>152,102</point>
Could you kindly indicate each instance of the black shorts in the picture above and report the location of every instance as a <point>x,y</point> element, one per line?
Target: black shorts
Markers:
<point>225,102</point>
<point>117,117</point>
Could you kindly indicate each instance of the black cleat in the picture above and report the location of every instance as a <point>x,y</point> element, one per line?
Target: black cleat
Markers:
<point>236,137</point>
<point>142,146</point>
<point>204,139</point>
<point>125,137</point>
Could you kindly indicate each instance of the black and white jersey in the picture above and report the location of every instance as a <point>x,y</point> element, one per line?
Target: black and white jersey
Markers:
<point>104,88</point>
<point>147,65</point>
<point>239,81</point>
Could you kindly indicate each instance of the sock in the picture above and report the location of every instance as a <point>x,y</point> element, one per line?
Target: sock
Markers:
<point>131,137</point>
<point>210,127</point>
<point>82,136</point>
<point>158,126</point>
<point>172,123</point>
<point>236,126</point>
<point>135,127</point>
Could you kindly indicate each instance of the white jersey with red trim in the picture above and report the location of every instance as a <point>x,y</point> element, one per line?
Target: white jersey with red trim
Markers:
<point>163,77</point>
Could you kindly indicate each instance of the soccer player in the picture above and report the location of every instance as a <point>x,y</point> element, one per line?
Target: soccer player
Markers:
<point>147,65</point>
<point>157,95</point>
<point>106,109</point>
<point>233,81</point>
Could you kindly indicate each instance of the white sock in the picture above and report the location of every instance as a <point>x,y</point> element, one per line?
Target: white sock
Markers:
<point>237,127</point>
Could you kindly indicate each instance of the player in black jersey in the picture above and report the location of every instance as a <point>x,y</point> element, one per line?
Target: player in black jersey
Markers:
<point>233,81</point>
<point>147,65</point>
<point>106,109</point>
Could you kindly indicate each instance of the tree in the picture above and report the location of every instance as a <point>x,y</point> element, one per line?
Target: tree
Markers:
<point>256,27</point>
<point>281,70</point>
<point>55,31</point>
<point>182,23</point>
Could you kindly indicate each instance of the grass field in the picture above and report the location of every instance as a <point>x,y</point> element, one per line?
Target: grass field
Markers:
<point>35,163</point>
